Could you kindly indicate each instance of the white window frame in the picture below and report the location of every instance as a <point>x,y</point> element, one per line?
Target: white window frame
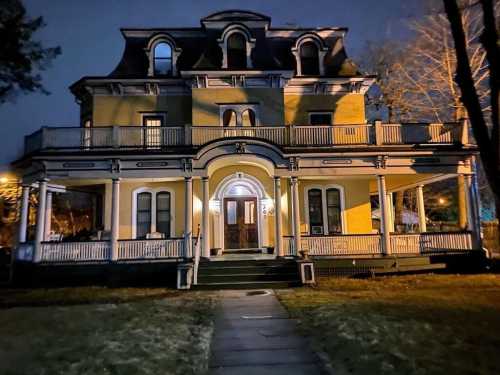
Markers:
<point>239,109</point>
<point>322,50</point>
<point>324,207</point>
<point>162,114</point>
<point>250,43</point>
<point>153,192</point>
<point>320,113</point>
<point>153,42</point>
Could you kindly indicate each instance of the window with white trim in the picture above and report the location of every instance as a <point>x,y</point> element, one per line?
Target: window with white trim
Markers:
<point>239,114</point>
<point>143,220</point>
<point>324,209</point>
<point>162,59</point>
<point>152,212</point>
<point>237,51</point>
<point>309,59</point>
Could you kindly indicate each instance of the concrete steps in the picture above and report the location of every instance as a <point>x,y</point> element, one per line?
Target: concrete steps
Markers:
<point>247,274</point>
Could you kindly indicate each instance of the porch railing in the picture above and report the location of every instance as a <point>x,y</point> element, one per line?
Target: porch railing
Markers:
<point>342,245</point>
<point>75,251</point>
<point>150,249</point>
<point>140,137</point>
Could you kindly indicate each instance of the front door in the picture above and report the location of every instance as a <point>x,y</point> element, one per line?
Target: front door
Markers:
<point>240,223</point>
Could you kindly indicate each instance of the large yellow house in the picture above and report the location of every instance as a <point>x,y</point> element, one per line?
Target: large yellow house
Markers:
<point>239,140</point>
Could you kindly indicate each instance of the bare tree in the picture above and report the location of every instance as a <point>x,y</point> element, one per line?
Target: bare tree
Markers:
<point>488,138</point>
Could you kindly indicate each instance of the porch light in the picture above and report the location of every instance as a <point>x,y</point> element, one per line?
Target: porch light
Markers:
<point>4,180</point>
<point>267,206</point>
<point>214,205</point>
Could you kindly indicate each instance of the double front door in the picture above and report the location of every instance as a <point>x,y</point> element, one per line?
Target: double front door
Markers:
<point>240,223</point>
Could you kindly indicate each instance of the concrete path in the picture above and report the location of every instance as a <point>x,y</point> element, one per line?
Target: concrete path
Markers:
<point>254,335</point>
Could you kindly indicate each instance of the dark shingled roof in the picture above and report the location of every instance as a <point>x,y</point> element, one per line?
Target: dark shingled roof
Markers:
<point>200,50</point>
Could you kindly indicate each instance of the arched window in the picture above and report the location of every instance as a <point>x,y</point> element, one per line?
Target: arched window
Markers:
<point>315,211</point>
<point>163,213</point>
<point>248,118</point>
<point>237,51</point>
<point>309,59</point>
<point>162,59</point>
<point>229,118</point>
<point>333,210</point>
<point>143,221</point>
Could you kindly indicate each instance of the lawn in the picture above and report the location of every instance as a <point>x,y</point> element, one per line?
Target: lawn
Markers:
<point>431,324</point>
<point>104,331</point>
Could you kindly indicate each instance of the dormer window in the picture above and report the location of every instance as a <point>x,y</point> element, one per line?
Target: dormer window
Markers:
<point>310,52</point>
<point>309,60</point>
<point>162,59</point>
<point>236,43</point>
<point>163,54</point>
<point>236,51</point>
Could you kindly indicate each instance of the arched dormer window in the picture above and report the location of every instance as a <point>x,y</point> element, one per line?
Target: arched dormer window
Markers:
<point>236,51</point>
<point>309,60</point>
<point>162,53</point>
<point>162,59</point>
<point>236,43</point>
<point>310,52</point>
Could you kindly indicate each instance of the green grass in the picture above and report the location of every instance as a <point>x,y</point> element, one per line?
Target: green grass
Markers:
<point>160,332</point>
<point>432,324</point>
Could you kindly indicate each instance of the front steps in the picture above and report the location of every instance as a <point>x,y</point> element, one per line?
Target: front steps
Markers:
<point>247,274</point>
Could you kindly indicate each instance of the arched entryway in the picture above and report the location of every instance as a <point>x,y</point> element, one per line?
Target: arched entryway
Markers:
<point>241,200</point>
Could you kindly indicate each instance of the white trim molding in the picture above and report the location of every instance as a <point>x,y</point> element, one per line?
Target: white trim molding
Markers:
<point>322,50</point>
<point>324,206</point>
<point>153,192</point>
<point>250,42</point>
<point>162,38</point>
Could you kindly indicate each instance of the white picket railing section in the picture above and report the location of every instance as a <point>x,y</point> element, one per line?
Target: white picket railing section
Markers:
<point>204,134</point>
<point>430,243</point>
<point>75,251</point>
<point>342,245</point>
<point>331,135</point>
<point>150,249</point>
<point>288,249</point>
<point>420,133</point>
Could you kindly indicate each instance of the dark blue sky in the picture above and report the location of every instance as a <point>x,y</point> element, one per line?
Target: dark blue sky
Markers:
<point>88,33</point>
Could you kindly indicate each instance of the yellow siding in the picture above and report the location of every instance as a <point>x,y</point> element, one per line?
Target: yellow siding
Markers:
<point>357,203</point>
<point>206,104</point>
<point>347,109</point>
<point>126,110</point>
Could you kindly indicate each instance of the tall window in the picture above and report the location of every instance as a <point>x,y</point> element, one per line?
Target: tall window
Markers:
<point>315,211</point>
<point>333,211</point>
<point>152,129</point>
<point>248,118</point>
<point>163,213</point>
<point>309,60</point>
<point>163,59</point>
<point>229,118</point>
<point>236,51</point>
<point>143,222</point>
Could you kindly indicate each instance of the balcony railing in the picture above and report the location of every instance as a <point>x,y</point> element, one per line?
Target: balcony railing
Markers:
<point>151,138</point>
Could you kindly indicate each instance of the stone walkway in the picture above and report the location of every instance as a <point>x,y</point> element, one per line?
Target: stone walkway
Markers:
<point>254,335</point>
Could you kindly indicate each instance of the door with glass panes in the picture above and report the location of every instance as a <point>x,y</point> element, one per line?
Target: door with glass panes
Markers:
<point>240,223</point>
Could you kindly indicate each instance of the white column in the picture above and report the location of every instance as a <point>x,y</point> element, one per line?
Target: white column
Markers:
<point>422,225</point>
<point>296,215</point>
<point>473,215</point>
<point>115,218</point>
<point>23,220</point>
<point>469,202</point>
<point>40,220</point>
<point>188,216</point>
<point>278,230</point>
<point>384,215</point>
<point>205,224</point>
<point>48,216</point>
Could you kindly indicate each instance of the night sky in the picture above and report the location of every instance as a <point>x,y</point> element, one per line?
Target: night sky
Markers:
<point>88,33</point>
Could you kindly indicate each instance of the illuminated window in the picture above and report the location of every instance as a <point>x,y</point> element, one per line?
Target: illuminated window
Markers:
<point>248,118</point>
<point>249,212</point>
<point>232,207</point>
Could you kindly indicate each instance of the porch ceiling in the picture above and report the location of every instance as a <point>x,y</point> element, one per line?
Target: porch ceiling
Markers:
<point>408,181</point>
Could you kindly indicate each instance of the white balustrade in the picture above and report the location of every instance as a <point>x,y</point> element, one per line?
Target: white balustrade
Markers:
<point>150,249</point>
<point>421,133</point>
<point>75,251</point>
<point>430,243</point>
<point>288,249</point>
<point>342,245</point>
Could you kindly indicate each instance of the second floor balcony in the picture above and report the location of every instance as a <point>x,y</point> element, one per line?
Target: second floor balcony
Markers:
<point>306,136</point>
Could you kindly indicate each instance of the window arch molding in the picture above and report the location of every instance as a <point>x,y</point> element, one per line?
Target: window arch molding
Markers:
<point>153,192</point>
<point>233,29</point>
<point>153,42</point>
<point>320,45</point>
<point>323,189</point>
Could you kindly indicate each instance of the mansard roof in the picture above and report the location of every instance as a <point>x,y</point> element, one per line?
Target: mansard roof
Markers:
<point>200,48</point>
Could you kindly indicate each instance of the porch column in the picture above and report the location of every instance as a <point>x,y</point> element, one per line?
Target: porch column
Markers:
<point>115,218</point>
<point>462,203</point>
<point>296,215</point>
<point>422,225</point>
<point>205,225</point>
<point>384,215</point>
<point>473,215</point>
<point>40,220</point>
<point>48,216</point>
<point>390,208</point>
<point>188,216</point>
<point>278,230</point>
<point>23,220</point>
